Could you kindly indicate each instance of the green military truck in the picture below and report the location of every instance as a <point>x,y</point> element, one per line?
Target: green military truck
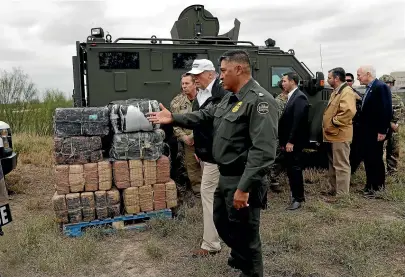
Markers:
<point>107,69</point>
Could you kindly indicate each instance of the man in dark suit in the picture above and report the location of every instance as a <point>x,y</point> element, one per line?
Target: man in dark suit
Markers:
<point>293,135</point>
<point>375,118</point>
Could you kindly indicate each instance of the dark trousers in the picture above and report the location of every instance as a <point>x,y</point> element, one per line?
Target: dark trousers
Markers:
<point>356,156</point>
<point>293,165</point>
<point>374,163</point>
<point>239,229</point>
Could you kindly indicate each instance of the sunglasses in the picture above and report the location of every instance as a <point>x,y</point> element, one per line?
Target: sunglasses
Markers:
<point>349,80</point>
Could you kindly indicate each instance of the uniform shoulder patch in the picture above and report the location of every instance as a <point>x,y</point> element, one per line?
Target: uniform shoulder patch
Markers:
<point>263,108</point>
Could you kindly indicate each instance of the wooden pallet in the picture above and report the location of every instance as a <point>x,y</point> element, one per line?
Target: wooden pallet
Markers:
<point>123,222</point>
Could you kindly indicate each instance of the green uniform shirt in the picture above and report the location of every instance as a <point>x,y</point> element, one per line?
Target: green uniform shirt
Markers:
<point>245,128</point>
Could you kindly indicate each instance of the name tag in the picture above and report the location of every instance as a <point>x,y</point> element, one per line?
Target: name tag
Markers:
<point>5,215</point>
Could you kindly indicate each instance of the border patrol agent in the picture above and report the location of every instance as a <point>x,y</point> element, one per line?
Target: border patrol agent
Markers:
<point>245,126</point>
<point>392,143</point>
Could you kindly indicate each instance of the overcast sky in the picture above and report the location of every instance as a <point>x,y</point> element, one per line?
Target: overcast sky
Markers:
<point>40,36</point>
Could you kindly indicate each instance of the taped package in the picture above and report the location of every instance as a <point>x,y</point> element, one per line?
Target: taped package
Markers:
<point>146,198</point>
<point>105,175</point>
<point>76,178</point>
<point>77,150</point>
<point>100,198</point>
<point>163,170</point>
<point>121,174</point>
<point>60,208</point>
<point>139,145</point>
<point>136,173</point>
<point>87,121</point>
<point>62,179</point>
<point>113,202</point>
<point>131,115</point>
<point>171,194</point>
<point>131,200</point>
<point>149,171</point>
<point>159,196</point>
<point>74,207</point>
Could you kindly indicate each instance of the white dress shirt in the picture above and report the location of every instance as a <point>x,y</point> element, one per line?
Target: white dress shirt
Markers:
<point>204,94</point>
<point>291,93</point>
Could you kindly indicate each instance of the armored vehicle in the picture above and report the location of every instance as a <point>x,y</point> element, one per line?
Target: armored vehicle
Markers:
<point>106,70</point>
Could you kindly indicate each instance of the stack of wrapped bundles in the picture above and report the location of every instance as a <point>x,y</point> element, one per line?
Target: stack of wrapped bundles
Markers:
<point>135,177</point>
<point>83,178</point>
<point>139,168</point>
<point>135,138</point>
<point>150,186</point>
<point>78,134</point>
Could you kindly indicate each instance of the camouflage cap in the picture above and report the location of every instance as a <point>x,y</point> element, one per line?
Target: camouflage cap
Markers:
<point>387,78</point>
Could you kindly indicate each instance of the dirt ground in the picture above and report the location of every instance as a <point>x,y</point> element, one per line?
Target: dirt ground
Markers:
<point>352,237</point>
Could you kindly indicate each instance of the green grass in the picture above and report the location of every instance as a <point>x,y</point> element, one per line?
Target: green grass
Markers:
<point>32,118</point>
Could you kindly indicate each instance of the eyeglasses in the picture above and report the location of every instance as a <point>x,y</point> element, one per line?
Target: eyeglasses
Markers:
<point>349,80</point>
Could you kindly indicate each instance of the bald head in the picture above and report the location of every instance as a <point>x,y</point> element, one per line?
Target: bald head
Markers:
<point>366,74</point>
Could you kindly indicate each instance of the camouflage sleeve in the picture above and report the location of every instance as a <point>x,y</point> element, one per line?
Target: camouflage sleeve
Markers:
<point>178,131</point>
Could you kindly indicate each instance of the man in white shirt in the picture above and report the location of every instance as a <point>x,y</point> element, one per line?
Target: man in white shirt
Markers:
<point>210,93</point>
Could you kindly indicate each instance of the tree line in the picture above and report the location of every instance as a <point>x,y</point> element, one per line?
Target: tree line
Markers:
<point>23,108</point>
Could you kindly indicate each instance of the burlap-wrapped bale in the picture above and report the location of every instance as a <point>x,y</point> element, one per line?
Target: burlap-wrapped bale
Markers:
<point>74,207</point>
<point>88,206</point>
<point>159,196</point>
<point>121,174</point>
<point>136,173</point>
<point>90,177</point>
<point>136,146</point>
<point>101,204</point>
<point>163,170</point>
<point>104,175</point>
<point>60,208</point>
<point>171,194</point>
<point>131,115</point>
<point>146,198</point>
<point>62,179</point>
<point>149,171</point>
<point>131,200</point>
<point>113,203</point>
<point>77,150</point>
<point>76,178</point>
<point>88,121</point>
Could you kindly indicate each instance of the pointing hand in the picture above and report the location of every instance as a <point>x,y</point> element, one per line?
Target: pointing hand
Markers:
<point>162,117</point>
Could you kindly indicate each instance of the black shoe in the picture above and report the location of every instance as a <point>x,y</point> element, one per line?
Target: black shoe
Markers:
<point>275,187</point>
<point>294,206</point>
<point>369,194</point>
<point>233,263</point>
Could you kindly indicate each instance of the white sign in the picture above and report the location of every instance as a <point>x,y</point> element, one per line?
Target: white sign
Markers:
<point>5,215</point>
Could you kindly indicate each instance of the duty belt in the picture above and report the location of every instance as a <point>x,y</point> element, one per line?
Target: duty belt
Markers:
<point>231,170</point>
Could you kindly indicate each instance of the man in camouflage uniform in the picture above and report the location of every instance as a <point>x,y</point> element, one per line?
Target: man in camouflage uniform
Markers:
<point>277,167</point>
<point>182,104</point>
<point>392,143</point>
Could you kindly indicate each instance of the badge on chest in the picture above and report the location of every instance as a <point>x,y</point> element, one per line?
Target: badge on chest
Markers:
<point>237,106</point>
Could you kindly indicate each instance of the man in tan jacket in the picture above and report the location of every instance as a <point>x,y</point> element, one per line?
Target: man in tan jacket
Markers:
<point>338,130</point>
